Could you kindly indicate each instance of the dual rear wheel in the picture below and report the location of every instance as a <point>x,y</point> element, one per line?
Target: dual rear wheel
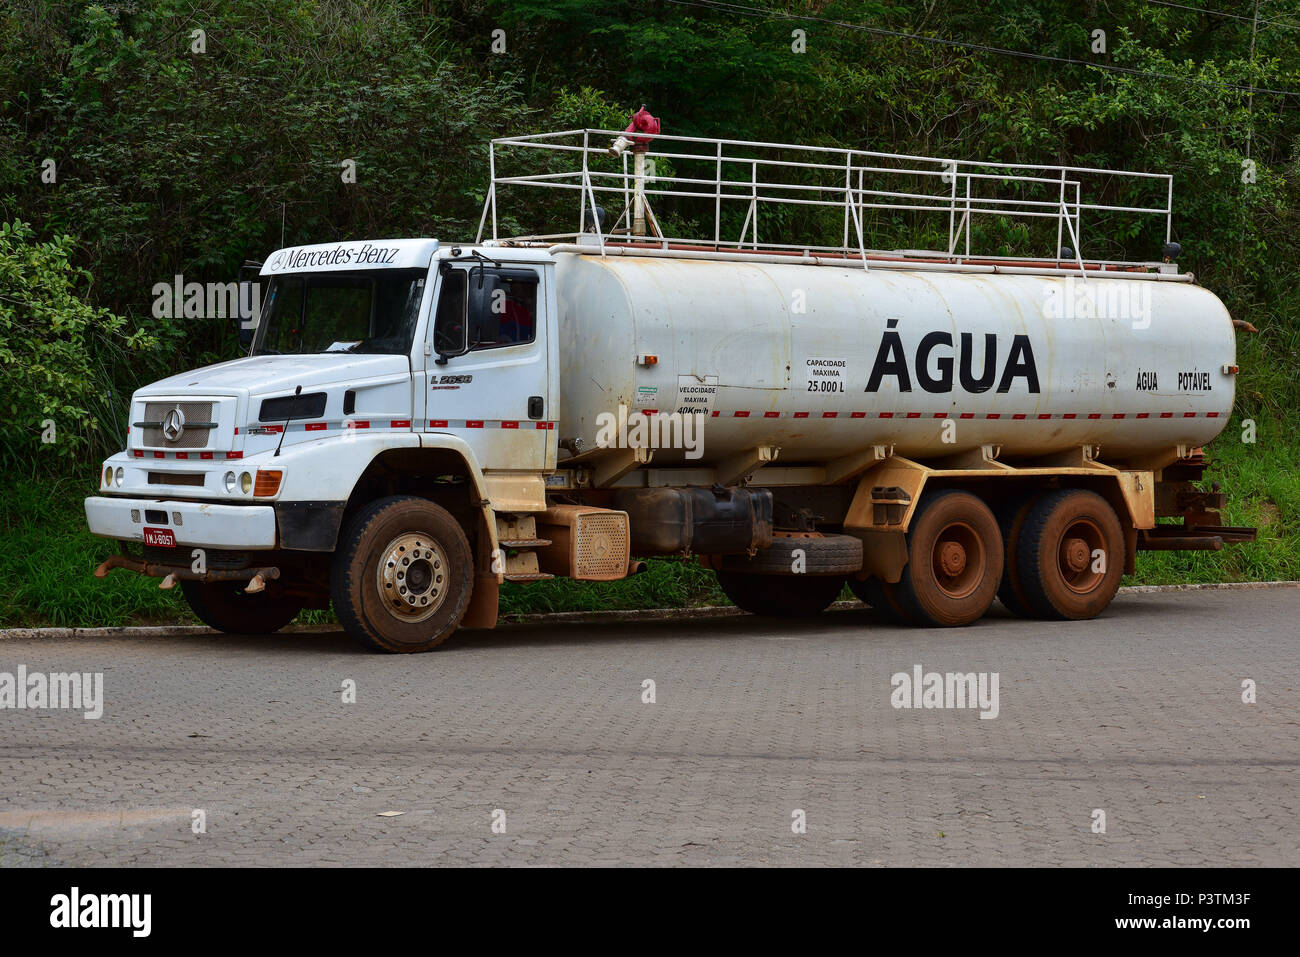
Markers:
<point>1057,555</point>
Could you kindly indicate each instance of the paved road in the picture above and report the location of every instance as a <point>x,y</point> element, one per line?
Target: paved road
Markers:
<point>1138,714</point>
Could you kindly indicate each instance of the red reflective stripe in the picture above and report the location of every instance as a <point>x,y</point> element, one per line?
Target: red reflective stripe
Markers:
<point>741,415</point>
<point>160,455</point>
<point>206,455</point>
<point>1166,415</point>
<point>236,430</point>
<point>993,415</point>
<point>1118,415</point>
<point>1068,415</point>
<point>941,415</point>
<point>473,423</point>
<point>543,425</point>
<point>1212,415</point>
<point>715,414</point>
<point>1144,415</point>
<point>234,455</point>
<point>400,424</point>
<point>1018,415</point>
<point>1044,415</point>
<point>361,424</point>
<point>797,415</point>
<point>437,423</point>
<point>139,453</point>
<point>182,455</point>
<point>856,415</point>
<point>1094,415</point>
<point>647,412</point>
<point>886,415</point>
<point>968,415</point>
<point>914,415</point>
<point>829,415</point>
<point>1189,415</point>
<point>314,427</point>
<point>771,415</point>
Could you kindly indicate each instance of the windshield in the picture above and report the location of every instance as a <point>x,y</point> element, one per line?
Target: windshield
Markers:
<point>373,311</point>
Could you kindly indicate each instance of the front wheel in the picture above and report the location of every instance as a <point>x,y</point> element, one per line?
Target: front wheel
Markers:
<point>226,607</point>
<point>402,575</point>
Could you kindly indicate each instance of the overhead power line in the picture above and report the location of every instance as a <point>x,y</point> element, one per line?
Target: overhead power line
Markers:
<point>761,13</point>
<point>1221,13</point>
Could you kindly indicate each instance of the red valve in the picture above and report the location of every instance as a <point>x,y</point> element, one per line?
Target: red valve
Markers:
<point>642,122</point>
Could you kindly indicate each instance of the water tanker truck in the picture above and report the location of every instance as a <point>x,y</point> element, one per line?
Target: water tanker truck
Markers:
<point>418,422</point>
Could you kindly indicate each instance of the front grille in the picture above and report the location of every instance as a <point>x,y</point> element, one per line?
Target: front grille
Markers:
<point>176,478</point>
<point>192,438</point>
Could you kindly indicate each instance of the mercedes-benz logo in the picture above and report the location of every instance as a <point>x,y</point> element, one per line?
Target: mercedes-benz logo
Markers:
<point>173,425</point>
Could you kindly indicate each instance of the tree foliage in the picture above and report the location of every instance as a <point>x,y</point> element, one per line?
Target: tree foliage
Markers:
<point>172,161</point>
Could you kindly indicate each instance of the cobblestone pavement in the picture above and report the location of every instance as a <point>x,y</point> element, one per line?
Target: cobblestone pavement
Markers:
<point>1138,714</point>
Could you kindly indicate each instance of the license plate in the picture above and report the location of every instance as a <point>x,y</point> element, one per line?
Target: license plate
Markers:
<point>159,536</point>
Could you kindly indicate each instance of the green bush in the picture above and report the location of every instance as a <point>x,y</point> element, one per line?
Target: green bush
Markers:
<point>56,352</point>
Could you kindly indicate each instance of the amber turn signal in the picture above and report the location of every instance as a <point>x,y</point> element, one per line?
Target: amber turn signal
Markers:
<point>268,482</point>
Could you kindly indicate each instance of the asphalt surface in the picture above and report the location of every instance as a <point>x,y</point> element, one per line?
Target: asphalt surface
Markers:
<point>1138,714</point>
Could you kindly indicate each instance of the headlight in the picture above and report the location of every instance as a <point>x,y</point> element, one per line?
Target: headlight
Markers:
<point>230,481</point>
<point>117,479</point>
<point>245,482</point>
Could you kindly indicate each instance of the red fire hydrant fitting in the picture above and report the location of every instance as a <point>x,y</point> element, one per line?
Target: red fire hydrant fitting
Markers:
<point>642,122</point>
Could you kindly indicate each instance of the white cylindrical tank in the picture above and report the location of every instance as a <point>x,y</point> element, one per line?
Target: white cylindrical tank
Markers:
<point>824,360</point>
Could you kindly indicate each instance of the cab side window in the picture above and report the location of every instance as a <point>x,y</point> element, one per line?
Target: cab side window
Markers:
<point>503,309</point>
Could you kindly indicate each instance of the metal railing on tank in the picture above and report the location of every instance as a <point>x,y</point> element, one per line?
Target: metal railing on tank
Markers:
<point>737,195</point>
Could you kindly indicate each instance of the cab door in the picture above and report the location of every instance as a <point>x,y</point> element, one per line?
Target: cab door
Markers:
<point>486,375</point>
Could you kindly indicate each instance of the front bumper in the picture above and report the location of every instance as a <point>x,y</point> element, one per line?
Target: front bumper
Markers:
<point>202,524</point>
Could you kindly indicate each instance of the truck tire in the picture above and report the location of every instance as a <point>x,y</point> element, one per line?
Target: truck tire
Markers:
<point>785,596</point>
<point>821,555</point>
<point>954,562</point>
<point>1011,592</point>
<point>880,596</point>
<point>1057,555</point>
<point>402,575</point>
<point>225,607</point>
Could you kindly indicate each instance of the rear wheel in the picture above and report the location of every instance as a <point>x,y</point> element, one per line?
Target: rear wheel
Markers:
<point>1071,555</point>
<point>226,607</point>
<point>402,575</point>
<point>1011,592</point>
<point>954,561</point>
<point>781,596</point>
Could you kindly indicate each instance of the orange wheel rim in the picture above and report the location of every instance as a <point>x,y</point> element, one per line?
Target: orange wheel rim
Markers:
<point>1081,549</point>
<point>957,560</point>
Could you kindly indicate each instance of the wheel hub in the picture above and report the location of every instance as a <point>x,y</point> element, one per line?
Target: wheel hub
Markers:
<point>412,577</point>
<point>958,560</point>
<point>952,558</point>
<point>1077,554</point>
<point>1080,543</point>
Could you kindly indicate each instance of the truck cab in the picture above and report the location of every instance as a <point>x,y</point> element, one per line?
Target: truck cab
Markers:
<point>390,370</point>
